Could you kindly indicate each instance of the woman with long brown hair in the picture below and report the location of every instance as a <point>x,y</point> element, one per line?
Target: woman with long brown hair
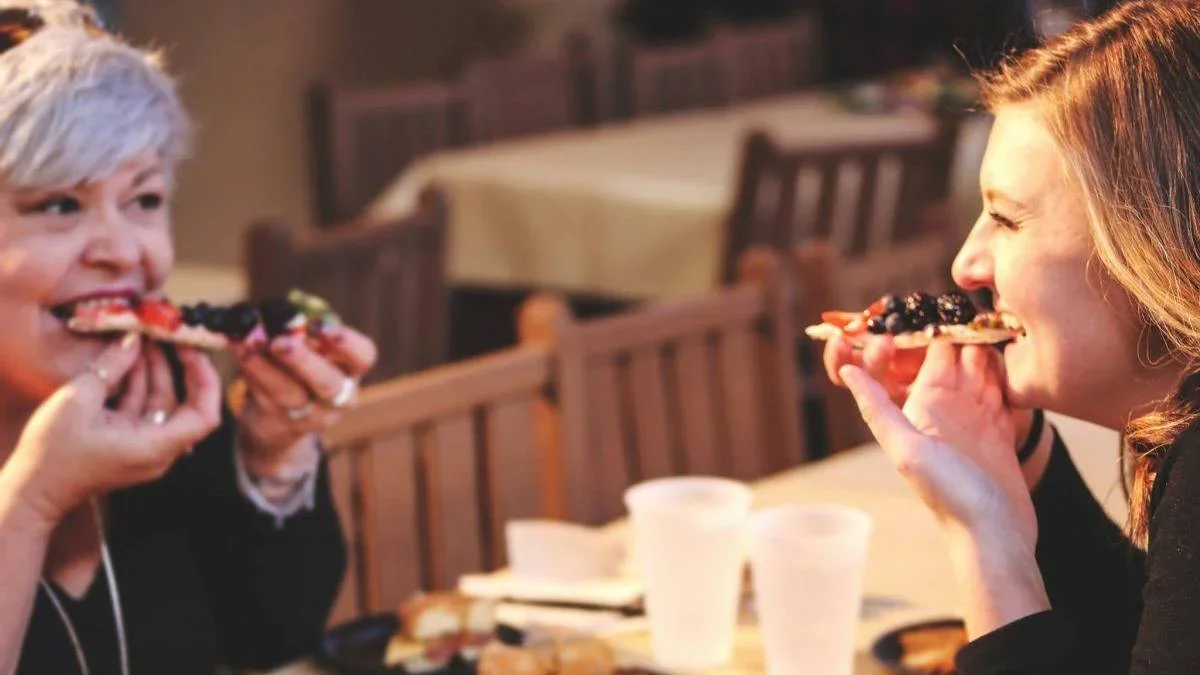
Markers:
<point>1091,237</point>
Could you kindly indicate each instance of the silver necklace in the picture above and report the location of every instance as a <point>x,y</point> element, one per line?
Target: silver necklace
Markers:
<point>113,594</point>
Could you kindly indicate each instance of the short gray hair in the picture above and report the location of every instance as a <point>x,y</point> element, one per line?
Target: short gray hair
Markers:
<point>75,105</point>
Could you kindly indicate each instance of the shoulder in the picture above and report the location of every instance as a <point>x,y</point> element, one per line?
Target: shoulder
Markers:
<point>1177,485</point>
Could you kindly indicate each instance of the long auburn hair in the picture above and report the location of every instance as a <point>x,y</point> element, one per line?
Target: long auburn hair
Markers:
<point>1121,96</point>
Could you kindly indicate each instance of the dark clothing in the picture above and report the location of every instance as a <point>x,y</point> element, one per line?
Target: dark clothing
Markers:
<point>204,578</point>
<point>1115,608</point>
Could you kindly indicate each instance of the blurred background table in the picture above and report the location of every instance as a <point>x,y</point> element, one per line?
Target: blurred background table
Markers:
<point>635,210</point>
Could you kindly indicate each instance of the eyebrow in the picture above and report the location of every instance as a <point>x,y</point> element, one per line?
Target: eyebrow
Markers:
<point>995,195</point>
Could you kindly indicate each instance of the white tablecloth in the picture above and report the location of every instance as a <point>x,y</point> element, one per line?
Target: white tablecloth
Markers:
<point>636,209</point>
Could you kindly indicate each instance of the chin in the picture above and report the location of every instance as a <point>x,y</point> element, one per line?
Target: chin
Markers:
<point>1024,385</point>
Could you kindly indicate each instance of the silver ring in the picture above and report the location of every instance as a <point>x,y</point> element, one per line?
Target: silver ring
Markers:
<point>300,414</point>
<point>100,372</point>
<point>156,417</point>
<point>345,393</point>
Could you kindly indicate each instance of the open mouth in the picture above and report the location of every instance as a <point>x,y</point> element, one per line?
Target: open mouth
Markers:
<point>112,311</point>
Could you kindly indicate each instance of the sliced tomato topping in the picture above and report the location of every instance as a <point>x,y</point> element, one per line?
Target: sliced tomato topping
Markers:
<point>159,314</point>
<point>840,319</point>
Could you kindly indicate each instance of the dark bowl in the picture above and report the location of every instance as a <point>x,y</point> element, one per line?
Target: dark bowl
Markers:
<point>358,648</point>
<point>889,648</point>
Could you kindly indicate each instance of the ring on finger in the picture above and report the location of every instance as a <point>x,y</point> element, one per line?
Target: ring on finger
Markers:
<point>301,413</point>
<point>156,417</point>
<point>345,393</point>
<point>100,372</point>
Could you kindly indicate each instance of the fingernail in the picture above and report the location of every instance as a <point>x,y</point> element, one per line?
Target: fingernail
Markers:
<point>130,340</point>
<point>282,346</point>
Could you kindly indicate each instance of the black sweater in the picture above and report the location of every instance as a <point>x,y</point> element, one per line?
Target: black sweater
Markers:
<point>1115,608</point>
<point>204,578</point>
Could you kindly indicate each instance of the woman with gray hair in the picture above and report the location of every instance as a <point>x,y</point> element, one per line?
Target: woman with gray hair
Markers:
<point>144,527</point>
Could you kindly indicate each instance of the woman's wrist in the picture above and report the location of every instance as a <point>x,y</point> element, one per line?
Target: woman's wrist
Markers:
<point>20,504</point>
<point>999,579</point>
<point>283,464</point>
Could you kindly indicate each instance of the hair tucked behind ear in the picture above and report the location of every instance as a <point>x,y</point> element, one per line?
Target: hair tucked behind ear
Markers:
<point>1118,94</point>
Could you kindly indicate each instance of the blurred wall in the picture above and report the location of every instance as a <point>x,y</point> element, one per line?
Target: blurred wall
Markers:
<point>245,67</point>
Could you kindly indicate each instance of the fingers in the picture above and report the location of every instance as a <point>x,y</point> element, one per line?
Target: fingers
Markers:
<point>105,373</point>
<point>160,396</point>
<point>133,402</point>
<point>317,373</point>
<point>200,412</point>
<point>269,379</point>
<point>977,369</point>
<point>940,368</point>
<point>354,352</point>
<point>889,425</point>
<point>838,353</point>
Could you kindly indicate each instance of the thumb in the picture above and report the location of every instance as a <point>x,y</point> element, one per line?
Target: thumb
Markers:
<point>887,422</point>
<point>104,374</point>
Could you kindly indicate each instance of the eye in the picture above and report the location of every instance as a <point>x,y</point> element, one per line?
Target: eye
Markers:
<point>151,201</point>
<point>58,205</point>
<point>1002,221</point>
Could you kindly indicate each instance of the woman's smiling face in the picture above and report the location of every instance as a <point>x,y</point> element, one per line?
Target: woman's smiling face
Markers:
<point>1032,248</point>
<point>109,237</point>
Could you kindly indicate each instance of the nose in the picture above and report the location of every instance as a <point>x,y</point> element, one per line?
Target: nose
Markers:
<point>973,267</point>
<point>114,243</point>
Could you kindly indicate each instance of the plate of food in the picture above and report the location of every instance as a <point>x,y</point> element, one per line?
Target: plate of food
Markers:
<point>917,319</point>
<point>926,648</point>
<point>449,633</point>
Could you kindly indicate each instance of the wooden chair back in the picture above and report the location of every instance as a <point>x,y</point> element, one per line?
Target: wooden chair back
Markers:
<point>364,139</point>
<point>828,280</point>
<point>427,469</point>
<point>670,78</point>
<point>387,280</point>
<point>765,60</point>
<point>522,95</point>
<point>705,386</point>
<point>859,197</point>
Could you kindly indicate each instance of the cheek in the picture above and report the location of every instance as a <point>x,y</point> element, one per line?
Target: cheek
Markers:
<point>159,250</point>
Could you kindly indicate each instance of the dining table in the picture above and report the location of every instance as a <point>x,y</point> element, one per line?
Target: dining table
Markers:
<point>637,209</point>
<point>909,577</point>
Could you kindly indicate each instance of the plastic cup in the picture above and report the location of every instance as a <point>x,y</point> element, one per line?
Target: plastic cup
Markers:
<point>809,565</point>
<point>689,535</point>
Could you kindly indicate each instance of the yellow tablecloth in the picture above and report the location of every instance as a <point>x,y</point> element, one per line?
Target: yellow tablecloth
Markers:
<point>635,209</point>
<point>909,577</point>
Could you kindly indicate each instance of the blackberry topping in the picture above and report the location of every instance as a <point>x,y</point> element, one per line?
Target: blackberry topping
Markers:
<point>189,316</point>
<point>240,320</point>
<point>895,323</point>
<point>216,319</point>
<point>276,314</point>
<point>920,309</point>
<point>956,307</point>
<point>876,325</point>
<point>891,304</point>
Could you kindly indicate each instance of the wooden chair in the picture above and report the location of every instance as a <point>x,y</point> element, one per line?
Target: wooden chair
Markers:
<point>427,469</point>
<point>764,60</point>
<point>363,139</point>
<point>705,386</point>
<point>387,280</point>
<point>859,197</point>
<point>670,78</point>
<point>828,280</point>
<point>522,95</point>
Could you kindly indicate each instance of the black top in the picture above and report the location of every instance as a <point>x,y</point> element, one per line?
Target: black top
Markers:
<point>1115,608</point>
<point>205,578</point>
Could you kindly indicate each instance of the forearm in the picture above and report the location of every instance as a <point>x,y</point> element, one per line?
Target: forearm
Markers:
<point>999,580</point>
<point>24,537</point>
